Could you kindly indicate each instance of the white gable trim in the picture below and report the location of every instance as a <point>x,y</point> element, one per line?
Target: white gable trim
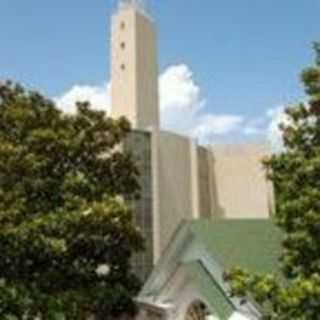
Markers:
<point>169,260</point>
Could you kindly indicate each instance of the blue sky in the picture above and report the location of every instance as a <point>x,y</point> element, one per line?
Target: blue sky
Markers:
<point>245,56</point>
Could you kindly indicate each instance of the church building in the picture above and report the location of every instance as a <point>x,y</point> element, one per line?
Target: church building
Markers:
<point>221,190</point>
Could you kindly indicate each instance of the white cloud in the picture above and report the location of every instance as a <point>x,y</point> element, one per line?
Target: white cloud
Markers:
<point>178,90</point>
<point>255,127</point>
<point>207,127</point>
<point>274,134</point>
<point>182,107</point>
<point>98,96</point>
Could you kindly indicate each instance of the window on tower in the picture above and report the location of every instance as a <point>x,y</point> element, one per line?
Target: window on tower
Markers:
<point>123,45</point>
<point>123,67</point>
<point>122,25</point>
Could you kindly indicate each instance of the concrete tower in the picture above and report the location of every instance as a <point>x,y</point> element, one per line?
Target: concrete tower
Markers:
<point>134,67</point>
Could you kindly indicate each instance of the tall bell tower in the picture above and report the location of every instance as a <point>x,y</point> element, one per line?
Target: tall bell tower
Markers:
<point>134,67</point>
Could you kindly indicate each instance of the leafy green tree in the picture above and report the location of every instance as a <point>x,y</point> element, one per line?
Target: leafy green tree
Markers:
<point>296,175</point>
<point>66,235</point>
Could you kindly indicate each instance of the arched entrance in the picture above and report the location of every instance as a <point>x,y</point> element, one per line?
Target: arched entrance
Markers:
<point>199,311</point>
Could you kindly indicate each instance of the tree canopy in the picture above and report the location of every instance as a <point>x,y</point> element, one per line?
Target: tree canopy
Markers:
<point>66,234</point>
<point>295,173</point>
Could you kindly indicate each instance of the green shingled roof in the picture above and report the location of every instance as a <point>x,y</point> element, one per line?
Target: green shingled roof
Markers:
<point>253,245</point>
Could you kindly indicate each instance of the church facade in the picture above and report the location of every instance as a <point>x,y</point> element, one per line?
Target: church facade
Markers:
<point>180,179</point>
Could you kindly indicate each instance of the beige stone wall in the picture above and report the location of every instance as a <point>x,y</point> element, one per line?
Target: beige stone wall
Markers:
<point>239,185</point>
<point>147,73</point>
<point>205,185</point>
<point>186,181</point>
<point>134,68</point>
<point>221,182</point>
<point>175,184</point>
